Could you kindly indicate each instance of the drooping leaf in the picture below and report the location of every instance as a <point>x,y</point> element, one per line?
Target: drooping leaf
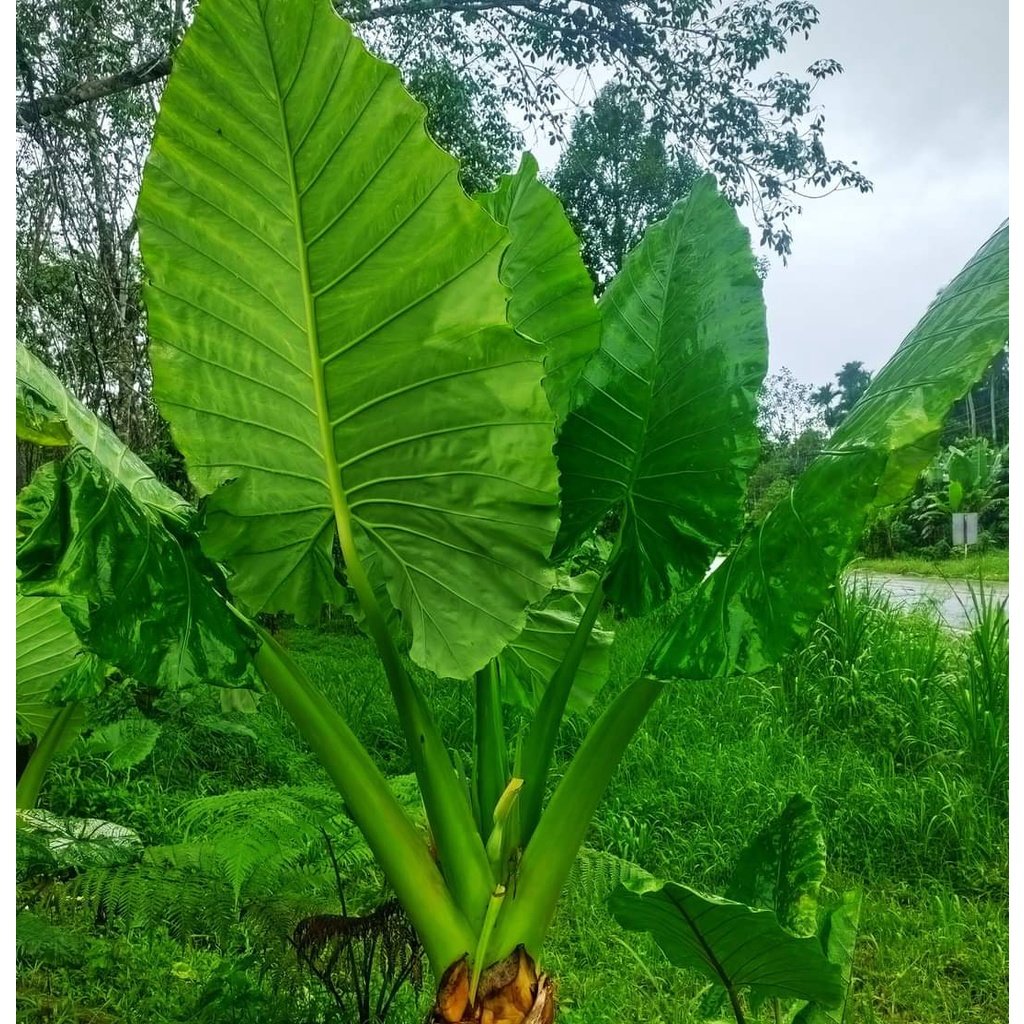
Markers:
<point>244,701</point>
<point>329,336</point>
<point>124,744</point>
<point>529,661</point>
<point>138,593</point>
<point>224,725</point>
<point>664,428</point>
<point>83,842</point>
<point>730,943</point>
<point>47,651</point>
<point>783,867</point>
<point>838,937</point>
<point>771,588</point>
<point>48,414</point>
<point>552,295</point>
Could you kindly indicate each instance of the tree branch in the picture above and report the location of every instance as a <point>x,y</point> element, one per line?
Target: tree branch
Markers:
<point>31,111</point>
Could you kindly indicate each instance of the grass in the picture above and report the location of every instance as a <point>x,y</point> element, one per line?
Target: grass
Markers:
<point>992,565</point>
<point>895,728</point>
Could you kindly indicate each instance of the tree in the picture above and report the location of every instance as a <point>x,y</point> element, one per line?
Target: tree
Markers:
<point>792,434</point>
<point>851,382</point>
<point>694,62</point>
<point>78,271</point>
<point>617,174</point>
<point>466,118</point>
<point>786,408</point>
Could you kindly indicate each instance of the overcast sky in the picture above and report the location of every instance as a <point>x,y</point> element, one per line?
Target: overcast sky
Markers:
<point>922,106</point>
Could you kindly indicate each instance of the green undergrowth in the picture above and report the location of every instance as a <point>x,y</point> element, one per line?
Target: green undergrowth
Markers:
<point>992,565</point>
<point>895,728</point>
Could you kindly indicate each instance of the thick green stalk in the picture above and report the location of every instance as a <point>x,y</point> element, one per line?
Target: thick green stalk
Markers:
<point>490,753</point>
<point>31,780</point>
<point>548,859</point>
<point>459,846</point>
<point>540,740</point>
<point>399,849</point>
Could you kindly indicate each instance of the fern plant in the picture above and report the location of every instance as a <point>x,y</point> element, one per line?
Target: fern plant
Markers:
<point>285,871</point>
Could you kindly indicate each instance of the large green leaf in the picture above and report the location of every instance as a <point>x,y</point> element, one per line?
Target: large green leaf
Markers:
<point>125,743</point>
<point>83,842</point>
<point>664,427</point>
<point>783,866</point>
<point>530,661</point>
<point>730,943</point>
<point>138,593</point>
<point>47,650</point>
<point>771,588</point>
<point>48,414</point>
<point>552,298</point>
<point>329,336</point>
<point>838,936</point>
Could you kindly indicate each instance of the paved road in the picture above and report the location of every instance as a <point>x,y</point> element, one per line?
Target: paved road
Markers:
<point>951,599</point>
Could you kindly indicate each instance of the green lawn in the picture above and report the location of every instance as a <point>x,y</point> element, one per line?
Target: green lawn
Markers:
<point>993,565</point>
<point>864,720</point>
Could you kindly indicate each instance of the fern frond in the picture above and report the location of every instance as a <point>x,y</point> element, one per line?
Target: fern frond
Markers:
<point>595,875</point>
<point>145,896</point>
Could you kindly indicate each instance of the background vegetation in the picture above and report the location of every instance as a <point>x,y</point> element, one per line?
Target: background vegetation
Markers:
<point>896,728</point>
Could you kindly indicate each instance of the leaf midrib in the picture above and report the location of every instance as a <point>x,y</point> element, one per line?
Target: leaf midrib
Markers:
<point>333,474</point>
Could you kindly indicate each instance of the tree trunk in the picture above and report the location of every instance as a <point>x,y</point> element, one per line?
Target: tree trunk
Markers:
<point>512,991</point>
<point>992,405</point>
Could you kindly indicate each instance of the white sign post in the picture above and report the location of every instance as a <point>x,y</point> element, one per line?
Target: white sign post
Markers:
<point>965,529</point>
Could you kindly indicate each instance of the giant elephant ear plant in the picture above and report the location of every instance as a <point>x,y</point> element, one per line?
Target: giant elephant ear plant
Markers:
<point>383,386</point>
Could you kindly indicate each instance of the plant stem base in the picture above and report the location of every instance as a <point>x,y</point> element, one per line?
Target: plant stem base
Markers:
<point>511,991</point>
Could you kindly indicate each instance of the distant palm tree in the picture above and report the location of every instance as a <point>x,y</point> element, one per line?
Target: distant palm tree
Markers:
<point>823,398</point>
<point>851,382</point>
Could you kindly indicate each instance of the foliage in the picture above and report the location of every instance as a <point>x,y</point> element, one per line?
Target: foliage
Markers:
<point>624,447</point>
<point>78,843</point>
<point>551,297</point>
<point>48,657</point>
<point>759,936</point>
<point>694,63</point>
<point>328,309</point>
<point>851,383</point>
<point>981,704</point>
<point>933,924</point>
<point>969,476</point>
<point>616,176</point>
<point>760,601</point>
<point>466,117</point>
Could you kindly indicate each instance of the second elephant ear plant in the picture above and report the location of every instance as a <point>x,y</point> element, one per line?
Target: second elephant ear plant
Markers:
<point>382,386</point>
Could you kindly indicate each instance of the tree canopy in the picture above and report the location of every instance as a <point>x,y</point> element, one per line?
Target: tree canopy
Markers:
<point>695,62</point>
<point>616,175</point>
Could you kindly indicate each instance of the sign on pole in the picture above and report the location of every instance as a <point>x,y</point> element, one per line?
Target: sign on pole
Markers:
<point>965,528</point>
